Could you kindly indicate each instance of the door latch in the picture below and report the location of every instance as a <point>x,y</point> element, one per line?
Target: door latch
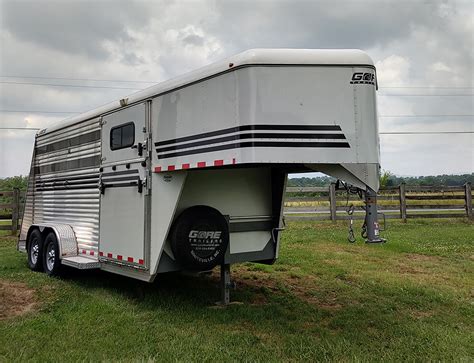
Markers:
<point>139,148</point>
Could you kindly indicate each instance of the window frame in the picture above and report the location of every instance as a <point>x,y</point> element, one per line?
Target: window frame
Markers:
<point>121,126</point>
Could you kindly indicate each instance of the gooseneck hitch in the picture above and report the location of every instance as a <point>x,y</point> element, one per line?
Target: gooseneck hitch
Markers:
<point>371,223</point>
<point>371,227</point>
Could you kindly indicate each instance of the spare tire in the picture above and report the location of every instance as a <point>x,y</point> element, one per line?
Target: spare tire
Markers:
<point>199,238</point>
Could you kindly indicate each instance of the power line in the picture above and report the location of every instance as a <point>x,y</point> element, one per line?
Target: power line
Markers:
<point>38,111</point>
<point>78,112</point>
<point>426,87</point>
<point>81,79</point>
<point>141,81</point>
<point>424,132</point>
<point>19,128</point>
<point>425,95</point>
<point>137,89</point>
<point>426,115</point>
<point>67,85</point>
<point>381,133</point>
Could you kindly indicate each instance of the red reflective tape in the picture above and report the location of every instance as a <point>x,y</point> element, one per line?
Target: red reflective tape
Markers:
<point>218,162</point>
<point>185,166</point>
<point>119,257</point>
<point>91,253</point>
<point>84,252</point>
<point>109,255</point>
<point>171,167</point>
<point>101,253</point>
<point>141,262</point>
<point>157,169</point>
<point>130,259</point>
<point>201,164</point>
<point>233,161</point>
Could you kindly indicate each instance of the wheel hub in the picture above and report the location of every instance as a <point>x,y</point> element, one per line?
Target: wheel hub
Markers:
<point>34,252</point>
<point>50,257</point>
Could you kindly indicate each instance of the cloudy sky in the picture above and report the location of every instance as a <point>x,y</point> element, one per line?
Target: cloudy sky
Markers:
<point>121,45</point>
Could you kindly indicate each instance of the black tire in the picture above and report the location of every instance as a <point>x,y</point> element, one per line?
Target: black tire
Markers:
<point>51,261</point>
<point>35,250</point>
<point>199,238</point>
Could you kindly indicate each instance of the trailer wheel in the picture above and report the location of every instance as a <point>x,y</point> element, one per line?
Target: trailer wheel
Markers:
<point>35,250</point>
<point>51,261</point>
<point>199,238</point>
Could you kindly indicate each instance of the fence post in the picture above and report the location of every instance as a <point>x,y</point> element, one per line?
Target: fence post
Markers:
<point>403,203</point>
<point>468,199</point>
<point>15,210</point>
<point>332,201</point>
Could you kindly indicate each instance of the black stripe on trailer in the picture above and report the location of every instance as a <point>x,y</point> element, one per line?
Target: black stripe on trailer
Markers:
<point>265,135</point>
<point>251,128</point>
<point>238,145</point>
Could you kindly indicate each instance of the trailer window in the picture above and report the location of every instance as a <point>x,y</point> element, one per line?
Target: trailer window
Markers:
<point>122,136</point>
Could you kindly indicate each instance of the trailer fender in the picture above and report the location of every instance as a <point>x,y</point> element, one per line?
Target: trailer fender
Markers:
<point>64,235</point>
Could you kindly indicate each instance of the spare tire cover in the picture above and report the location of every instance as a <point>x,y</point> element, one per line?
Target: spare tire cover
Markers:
<point>199,238</point>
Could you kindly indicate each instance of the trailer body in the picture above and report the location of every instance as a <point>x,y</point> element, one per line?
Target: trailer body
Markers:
<point>111,185</point>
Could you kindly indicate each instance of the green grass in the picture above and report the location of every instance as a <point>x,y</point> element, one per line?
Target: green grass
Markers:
<point>410,299</point>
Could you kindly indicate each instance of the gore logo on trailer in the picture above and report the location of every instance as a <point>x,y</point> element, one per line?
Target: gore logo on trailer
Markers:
<point>363,78</point>
<point>205,234</point>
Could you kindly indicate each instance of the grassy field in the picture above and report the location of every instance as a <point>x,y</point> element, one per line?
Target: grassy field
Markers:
<point>325,299</point>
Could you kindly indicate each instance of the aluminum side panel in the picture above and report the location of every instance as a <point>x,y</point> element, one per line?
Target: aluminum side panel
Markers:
<point>61,190</point>
<point>122,219</point>
<point>166,192</point>
<point>28,210</point>
<point>286,115</point>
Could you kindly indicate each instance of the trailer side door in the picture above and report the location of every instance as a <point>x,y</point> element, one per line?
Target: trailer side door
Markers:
<point>123,187</point>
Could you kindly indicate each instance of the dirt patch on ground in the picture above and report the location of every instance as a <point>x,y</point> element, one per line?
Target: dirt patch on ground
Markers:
<point>416,264</point>
<point>418,257</point>
<point>410,270</point>
<point>304,288</point>
<point>418,314</point>
<point>15,299</point>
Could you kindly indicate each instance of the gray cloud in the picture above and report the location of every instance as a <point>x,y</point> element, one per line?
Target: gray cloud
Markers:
<point>322,24</point>
<point>73,26</point>
<point>428,43</point>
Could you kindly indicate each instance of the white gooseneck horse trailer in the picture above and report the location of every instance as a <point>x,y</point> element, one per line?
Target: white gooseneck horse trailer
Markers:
<point>191,173</point>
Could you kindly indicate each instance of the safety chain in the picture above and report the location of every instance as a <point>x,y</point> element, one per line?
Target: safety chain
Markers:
<point>350,210</point>
<point>350,236</point>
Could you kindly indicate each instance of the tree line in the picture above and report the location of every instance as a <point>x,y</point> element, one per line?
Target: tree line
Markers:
<point>387,179</point>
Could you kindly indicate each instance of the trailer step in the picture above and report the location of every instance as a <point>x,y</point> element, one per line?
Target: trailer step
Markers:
<point>80,262</point>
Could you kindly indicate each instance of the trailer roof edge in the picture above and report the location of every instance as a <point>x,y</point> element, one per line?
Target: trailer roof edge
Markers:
<point>248,58</point>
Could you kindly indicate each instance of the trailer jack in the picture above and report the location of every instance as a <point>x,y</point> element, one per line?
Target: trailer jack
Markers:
<point>225,284</point>
<point>371,224</point>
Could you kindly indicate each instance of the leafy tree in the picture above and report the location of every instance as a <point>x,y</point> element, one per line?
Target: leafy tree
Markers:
<point>20,182</point>
<point>385,178</point>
